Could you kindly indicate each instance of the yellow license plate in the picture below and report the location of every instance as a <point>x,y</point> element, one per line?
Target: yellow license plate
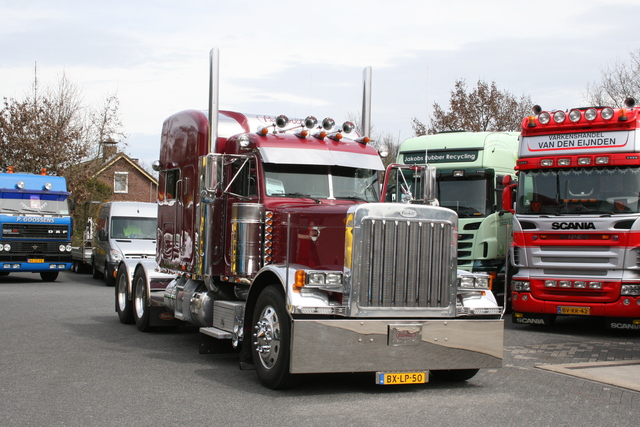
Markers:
<point>35,261</point>
<point>580,311</point>
<point>397,378</point>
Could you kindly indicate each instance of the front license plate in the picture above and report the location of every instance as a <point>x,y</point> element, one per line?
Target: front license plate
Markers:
<point>397,378</point>
<point>580,311</point>
<point>35,261</point>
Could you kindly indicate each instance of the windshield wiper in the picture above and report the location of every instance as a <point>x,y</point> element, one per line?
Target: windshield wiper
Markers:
<point>297,194</point>
<point>352,198</point>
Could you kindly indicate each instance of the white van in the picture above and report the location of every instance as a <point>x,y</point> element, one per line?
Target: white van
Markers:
<point>123,230</point>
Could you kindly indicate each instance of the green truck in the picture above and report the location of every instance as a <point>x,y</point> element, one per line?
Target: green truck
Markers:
<point>470,169</point>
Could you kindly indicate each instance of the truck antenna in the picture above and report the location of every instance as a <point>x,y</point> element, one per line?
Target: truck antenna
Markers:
<point>426,123</point>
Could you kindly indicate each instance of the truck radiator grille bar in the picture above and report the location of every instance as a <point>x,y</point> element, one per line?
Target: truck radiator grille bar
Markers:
<point>34,231</point>
<point>404,264</point>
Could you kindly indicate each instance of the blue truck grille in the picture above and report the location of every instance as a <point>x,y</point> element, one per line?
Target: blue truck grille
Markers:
<point>35,231</point>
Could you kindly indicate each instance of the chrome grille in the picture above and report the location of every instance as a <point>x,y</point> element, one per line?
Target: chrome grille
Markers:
<point>404,263</point>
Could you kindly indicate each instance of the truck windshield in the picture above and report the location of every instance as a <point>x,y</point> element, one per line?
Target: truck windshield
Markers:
<point>34,204</point>
<point>612,190</point>
<point>133,228</point>
<point>468,197</point>
<point>321,182</point>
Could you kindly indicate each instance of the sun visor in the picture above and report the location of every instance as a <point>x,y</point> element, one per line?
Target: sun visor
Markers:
<point>296,156</point>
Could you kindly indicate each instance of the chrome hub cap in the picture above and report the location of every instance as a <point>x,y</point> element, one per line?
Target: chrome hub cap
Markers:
<point>267,337</point>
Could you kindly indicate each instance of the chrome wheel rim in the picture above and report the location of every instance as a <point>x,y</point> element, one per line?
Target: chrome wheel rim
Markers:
<point>267,337</point>
<point>139,300</point>
<point>122,293</point>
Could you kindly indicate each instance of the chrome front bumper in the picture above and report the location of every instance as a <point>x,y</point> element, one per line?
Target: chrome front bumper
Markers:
<point>369,345</point>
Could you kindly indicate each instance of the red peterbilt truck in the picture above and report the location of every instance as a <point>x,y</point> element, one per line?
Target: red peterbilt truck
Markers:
<point>271,237</point>
<point>576,240</point>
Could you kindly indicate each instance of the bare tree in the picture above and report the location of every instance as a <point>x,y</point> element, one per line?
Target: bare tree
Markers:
<point>43,131</point>
<point>619,80</point>
<point>485,108</point>
<point>104,125</point>
<point>56,130</point>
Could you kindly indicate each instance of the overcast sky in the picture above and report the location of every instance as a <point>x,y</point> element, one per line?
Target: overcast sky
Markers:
<point>299,58</point>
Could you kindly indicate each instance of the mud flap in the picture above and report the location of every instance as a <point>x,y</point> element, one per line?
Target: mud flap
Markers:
<point>160,317</point>
<point>623,324</point>
<point>533,318</point>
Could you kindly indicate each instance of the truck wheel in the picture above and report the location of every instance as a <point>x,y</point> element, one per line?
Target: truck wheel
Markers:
<point>49,276</point>
<point>453,374</point>
<point>94,271</point>
<point>140,308</point>
<point>124,306</point>
<point>271,341</point>
<point>108,278</point>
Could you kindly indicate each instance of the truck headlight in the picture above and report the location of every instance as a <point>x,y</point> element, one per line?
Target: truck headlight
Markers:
<point>116,255</point>
<point>521,286</point>
<point>473,281</point>
<point>325,280</point>
<point>630,289</point>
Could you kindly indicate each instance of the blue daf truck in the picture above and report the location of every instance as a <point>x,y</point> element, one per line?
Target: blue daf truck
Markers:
<point>36,224</point>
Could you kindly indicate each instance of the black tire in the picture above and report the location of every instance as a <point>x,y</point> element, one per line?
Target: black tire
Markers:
<point>49,276</point>
<point>452,375</point>
<point>94,271</point>
<point>271,340</point>
<point>124,303</point>
<point>140,301</point>
<point>108,278</point>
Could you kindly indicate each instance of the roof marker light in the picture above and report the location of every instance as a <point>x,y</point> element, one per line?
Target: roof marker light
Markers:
<point>320,134</point>
<point>302,133</point>
<point>20,185</point>
<point>336,136</point>
<point>590,114</point>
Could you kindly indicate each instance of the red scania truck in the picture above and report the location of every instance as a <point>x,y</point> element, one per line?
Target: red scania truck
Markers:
<point>576,243</point>
<point>271,237</point>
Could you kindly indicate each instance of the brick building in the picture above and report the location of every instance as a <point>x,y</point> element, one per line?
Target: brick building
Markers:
<point>130,182</point>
